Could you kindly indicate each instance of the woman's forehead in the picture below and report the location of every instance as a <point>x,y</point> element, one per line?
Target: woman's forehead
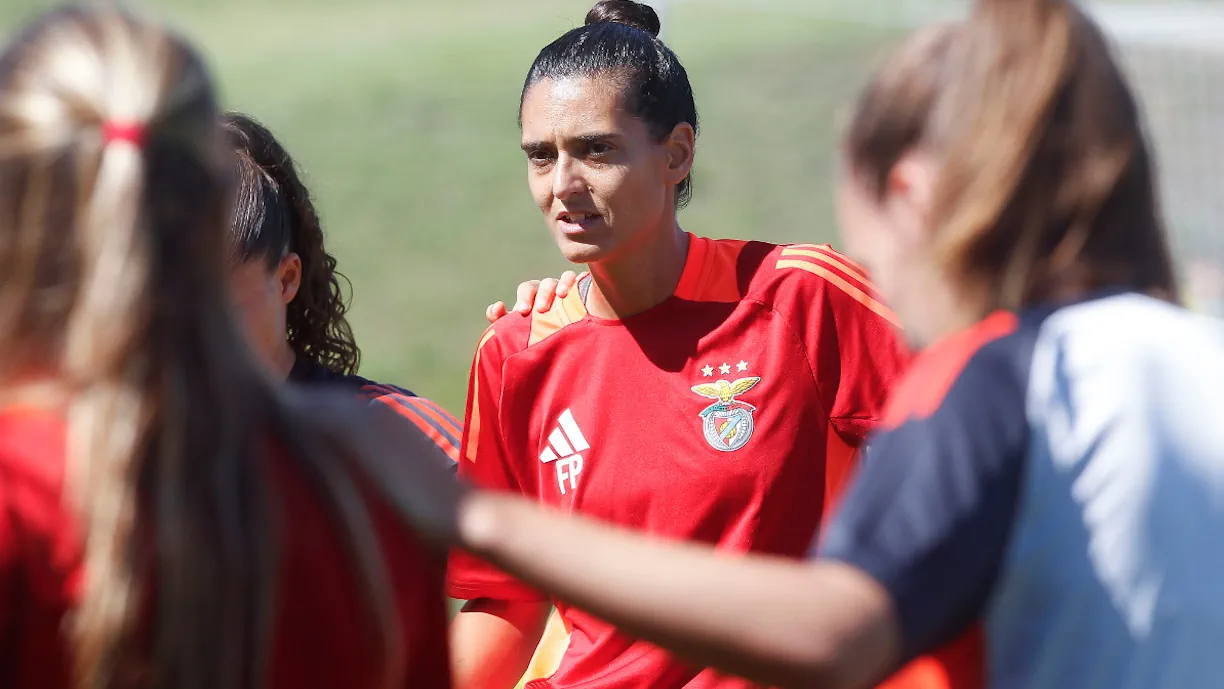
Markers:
<point>574,106</point>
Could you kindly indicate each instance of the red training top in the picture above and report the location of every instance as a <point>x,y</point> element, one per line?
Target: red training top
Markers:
<point>313,643</point>
<point>709,418</point>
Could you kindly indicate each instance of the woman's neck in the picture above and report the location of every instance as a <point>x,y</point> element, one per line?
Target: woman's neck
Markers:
<point>641,279</point>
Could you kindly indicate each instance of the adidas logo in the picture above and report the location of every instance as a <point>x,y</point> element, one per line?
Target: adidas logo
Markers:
<point>564,445</point>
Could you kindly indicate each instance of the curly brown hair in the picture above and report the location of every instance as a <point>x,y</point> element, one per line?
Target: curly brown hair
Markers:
<point>273,215</point>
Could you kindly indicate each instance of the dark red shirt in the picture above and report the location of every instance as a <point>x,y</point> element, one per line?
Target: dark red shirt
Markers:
<point>317,639</point>
<point>729,414</point>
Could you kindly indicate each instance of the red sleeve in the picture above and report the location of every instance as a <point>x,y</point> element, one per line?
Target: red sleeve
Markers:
<point>852,339</point>
<point>870,358</point>
<point>485,462</point>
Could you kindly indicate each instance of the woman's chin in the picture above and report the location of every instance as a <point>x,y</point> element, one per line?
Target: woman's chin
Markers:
<point>579,250</point>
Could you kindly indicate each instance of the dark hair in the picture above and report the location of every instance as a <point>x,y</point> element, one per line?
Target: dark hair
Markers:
<point>273,215</point>
<point>621,37</point>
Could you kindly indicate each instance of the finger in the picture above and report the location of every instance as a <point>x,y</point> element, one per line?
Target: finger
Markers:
<point>544,298</point>
<point>495,311</point>
<point>568,278</point>
<point>526,295</point>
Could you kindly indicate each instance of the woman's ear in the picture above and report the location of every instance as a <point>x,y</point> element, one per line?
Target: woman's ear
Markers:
<point>289,277</point>
<point>681,147</point>
<point>911,188</point>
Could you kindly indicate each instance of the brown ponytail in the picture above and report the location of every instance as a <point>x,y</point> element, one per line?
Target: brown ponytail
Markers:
<point>1047,187</point>
<point>112,265</point>
<point>892,112</point>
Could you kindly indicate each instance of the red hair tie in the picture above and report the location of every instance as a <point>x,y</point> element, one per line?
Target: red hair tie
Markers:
<point>122,131</point>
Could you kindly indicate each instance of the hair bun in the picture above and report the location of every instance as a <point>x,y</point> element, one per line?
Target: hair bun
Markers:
<point>627,12</point>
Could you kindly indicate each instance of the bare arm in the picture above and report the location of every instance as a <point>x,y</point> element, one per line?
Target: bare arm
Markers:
<point>784,623</point>
<point>493,641</point>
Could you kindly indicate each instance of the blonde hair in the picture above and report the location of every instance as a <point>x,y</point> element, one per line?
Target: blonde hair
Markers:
<point>1046,187</point>
<point>112,257</point>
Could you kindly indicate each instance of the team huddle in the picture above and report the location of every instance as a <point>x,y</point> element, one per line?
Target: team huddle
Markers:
<point>702,464</point>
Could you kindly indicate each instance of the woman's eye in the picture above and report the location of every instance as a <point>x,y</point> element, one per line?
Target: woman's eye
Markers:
<point>599,149</point>
<point>539,157</point>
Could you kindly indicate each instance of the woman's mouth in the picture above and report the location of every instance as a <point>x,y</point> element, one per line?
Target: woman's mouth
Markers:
<point>577,222</point>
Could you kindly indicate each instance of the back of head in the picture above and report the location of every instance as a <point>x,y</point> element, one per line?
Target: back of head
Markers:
<point>1046,189</point>
<point>113,189</point>
<point>100,113</point>
<point>891,115</point>
<point>620,41</point>
<point>112,192</point>
<point>273,215</point>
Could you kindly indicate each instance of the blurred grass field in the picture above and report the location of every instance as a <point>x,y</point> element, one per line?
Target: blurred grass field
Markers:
<point>403,115</point>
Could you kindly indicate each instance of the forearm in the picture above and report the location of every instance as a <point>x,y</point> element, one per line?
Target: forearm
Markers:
<point>492,642</point>
<point>756,617</point>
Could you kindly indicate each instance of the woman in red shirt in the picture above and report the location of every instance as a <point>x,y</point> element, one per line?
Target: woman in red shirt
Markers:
<point>709,390</point>
<point>168,515</point>
<point>1002,190</point>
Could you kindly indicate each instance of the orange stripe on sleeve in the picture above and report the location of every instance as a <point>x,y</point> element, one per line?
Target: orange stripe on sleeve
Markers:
<point>830,251</point>
<point>485,339</point>
<point>442,416</point>
<point>439,420</point>
<point>472,432</point>
<point>851,290</point>
<point>445,419</point>
<point>831,257</point>
<point>413,413</point>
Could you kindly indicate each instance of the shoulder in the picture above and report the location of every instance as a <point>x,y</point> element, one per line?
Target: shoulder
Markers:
<point>729,270</point>
<point>984,366</point>
<point>515,333</point>
<point>315,376</point>
<point>439,425</point>
<point>810,278</point>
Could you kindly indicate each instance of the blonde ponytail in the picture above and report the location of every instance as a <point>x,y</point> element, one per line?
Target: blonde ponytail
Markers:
<point>112,260</point>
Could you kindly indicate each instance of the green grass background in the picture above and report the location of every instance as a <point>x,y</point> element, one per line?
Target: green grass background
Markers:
<point>402,114</point>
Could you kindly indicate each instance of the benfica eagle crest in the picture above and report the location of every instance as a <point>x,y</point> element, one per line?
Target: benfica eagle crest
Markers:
<point>727,423</point>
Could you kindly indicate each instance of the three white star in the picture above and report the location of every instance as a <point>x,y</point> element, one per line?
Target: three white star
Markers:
<point>708,370</point>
